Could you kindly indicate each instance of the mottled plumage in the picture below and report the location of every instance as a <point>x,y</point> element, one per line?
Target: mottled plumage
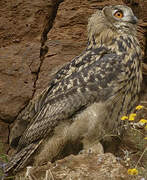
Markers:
<point>87,97</point>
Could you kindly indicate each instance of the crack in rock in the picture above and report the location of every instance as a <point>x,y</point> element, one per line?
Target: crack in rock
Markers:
<point>48,24</point>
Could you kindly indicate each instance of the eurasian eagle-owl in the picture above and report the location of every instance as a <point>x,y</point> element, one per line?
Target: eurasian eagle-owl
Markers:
<point>87,97</point>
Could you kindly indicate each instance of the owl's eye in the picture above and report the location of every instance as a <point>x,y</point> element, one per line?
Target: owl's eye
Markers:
<point>118,14</point>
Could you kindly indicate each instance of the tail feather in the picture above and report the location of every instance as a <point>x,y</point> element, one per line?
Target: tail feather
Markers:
<point>19,160</point>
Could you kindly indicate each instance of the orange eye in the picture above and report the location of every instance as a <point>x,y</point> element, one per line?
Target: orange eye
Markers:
<point>118,14</point>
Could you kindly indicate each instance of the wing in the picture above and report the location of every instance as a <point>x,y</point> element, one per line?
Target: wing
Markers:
<point>29,113</point>
<point>94,82</point>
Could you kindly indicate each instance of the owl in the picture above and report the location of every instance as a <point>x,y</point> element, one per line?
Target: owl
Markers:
<point>87,97</point>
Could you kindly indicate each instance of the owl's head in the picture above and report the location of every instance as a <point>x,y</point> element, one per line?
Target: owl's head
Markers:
<point>117,18</point>
<point>120,16</point>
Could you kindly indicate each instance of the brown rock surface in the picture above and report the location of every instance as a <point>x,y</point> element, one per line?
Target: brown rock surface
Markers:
<point>16,82</point>
<point>4,131</point>
<point>22,20</point>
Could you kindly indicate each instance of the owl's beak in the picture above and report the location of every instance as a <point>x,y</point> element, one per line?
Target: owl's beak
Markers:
<point>133,20</point>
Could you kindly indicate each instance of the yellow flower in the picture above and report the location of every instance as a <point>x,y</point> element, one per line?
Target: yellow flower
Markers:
<point>133,171</point>
<point>139,107</point>
<point>143,121</point>
<point>145,127</point>
<point>145,138</point>
<point>124,117</point>
<point>132,116</point>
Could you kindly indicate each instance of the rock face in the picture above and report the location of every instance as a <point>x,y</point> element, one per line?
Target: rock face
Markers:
<point>21,26</point>
<point>22,21</point>
<point>32,49</point>
<point>16,80</point>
